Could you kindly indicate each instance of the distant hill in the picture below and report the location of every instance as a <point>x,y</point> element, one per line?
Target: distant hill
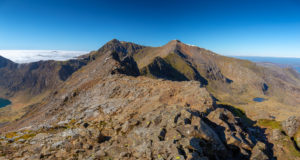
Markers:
<point>36,77</point>
<point>126,100</point>
<point>281,61</point>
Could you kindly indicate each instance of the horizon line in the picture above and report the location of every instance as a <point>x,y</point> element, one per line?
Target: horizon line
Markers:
<point>82,51</point>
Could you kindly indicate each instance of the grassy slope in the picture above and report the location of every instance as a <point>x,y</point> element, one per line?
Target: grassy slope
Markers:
<point>248,79</point>
<point>179,64</point>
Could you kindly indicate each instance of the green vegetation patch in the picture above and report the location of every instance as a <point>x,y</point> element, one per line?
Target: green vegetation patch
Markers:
<point>180,65</point>
<point>172,67</point>
<point>288,144</point>
<point>269,124</point>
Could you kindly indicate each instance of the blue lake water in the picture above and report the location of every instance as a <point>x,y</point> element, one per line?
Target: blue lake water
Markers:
<point>284,62</point>
<point>258,99</point>
<point>4,102</point>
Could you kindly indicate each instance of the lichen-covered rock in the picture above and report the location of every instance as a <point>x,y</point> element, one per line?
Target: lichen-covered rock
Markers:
<point>291,125</point>
<point>258,152</point>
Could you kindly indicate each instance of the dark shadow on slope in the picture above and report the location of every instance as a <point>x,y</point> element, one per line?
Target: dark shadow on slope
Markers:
<point>295,144</point>
<point>238,113</point>
<point>208,148</point>
<point>256,133</point>
<point>246,124</point>
<point>128,65</point>
<point>214,73</point>
<point>69,67</point>
<point>159,68</point>
<point>198,77</point>
<point>177,51</point>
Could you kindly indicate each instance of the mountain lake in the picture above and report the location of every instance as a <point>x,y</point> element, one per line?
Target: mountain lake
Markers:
<point>258,99</point>
<point>4,102</point>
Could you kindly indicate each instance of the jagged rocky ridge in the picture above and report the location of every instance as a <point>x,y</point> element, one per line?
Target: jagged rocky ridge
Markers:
<point>124,117</point>
<point>107,110</point>
<point>231,81</point>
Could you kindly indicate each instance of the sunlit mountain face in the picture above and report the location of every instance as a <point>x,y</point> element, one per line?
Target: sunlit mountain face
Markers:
<point>27,56</point>
<point>177,94</point>
<point>150,79</point>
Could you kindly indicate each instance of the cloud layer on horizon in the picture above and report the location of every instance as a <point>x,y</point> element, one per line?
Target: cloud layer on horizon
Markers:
<point>27,56</point>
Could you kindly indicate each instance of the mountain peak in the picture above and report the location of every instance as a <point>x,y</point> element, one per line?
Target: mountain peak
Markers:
<point>114,41</point>
<point>174,42</point>
<point>172,45</point>
<point>100,87</point>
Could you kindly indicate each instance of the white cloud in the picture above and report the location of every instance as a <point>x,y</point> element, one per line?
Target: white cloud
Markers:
<point>26,56</point>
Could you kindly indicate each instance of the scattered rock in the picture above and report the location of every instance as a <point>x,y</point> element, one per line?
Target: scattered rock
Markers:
<point>291,125</point>
<point>258,152</point>
<point>143,122</point>
<point>125,127</point>
<point>276,134</point>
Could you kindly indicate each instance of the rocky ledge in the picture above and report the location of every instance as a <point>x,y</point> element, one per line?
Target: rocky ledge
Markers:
<point>160,120</point>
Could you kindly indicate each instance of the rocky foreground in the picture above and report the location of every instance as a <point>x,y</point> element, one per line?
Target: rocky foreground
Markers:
<point>139,118</point>
<point>117,106</point>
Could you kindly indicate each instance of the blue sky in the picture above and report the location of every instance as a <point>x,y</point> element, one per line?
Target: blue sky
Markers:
<point>228,27</point>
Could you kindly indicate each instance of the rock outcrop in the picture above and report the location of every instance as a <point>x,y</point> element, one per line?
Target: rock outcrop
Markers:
<point>291,125</point>
<point>126,101</point>
<point>138,118</point>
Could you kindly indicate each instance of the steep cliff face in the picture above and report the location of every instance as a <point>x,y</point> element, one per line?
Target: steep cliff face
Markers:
<point>36,77</point>
<point>230,80</point>
<point>101,114</point>
<point>26,84</point>
<point>126,101</point>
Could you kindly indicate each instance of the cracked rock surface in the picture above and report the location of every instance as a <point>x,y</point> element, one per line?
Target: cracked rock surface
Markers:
<point>123,117</point>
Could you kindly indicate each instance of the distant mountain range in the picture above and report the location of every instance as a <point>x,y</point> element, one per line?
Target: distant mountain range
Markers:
<point>281,61</point>
<point>126,100</point>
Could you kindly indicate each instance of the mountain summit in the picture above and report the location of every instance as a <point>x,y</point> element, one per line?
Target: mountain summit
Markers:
<point>128,101</point>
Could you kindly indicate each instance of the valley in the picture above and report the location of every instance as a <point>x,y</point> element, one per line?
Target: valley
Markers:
<point>149,80</point>
<point>129,101</point>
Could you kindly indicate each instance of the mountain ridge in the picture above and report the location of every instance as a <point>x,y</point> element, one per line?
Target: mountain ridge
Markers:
<point>175,101</point>
<point>219,73</point>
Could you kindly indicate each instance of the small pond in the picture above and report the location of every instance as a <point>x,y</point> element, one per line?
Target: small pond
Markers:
<point>258,99</point>
<point>4,102</point>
